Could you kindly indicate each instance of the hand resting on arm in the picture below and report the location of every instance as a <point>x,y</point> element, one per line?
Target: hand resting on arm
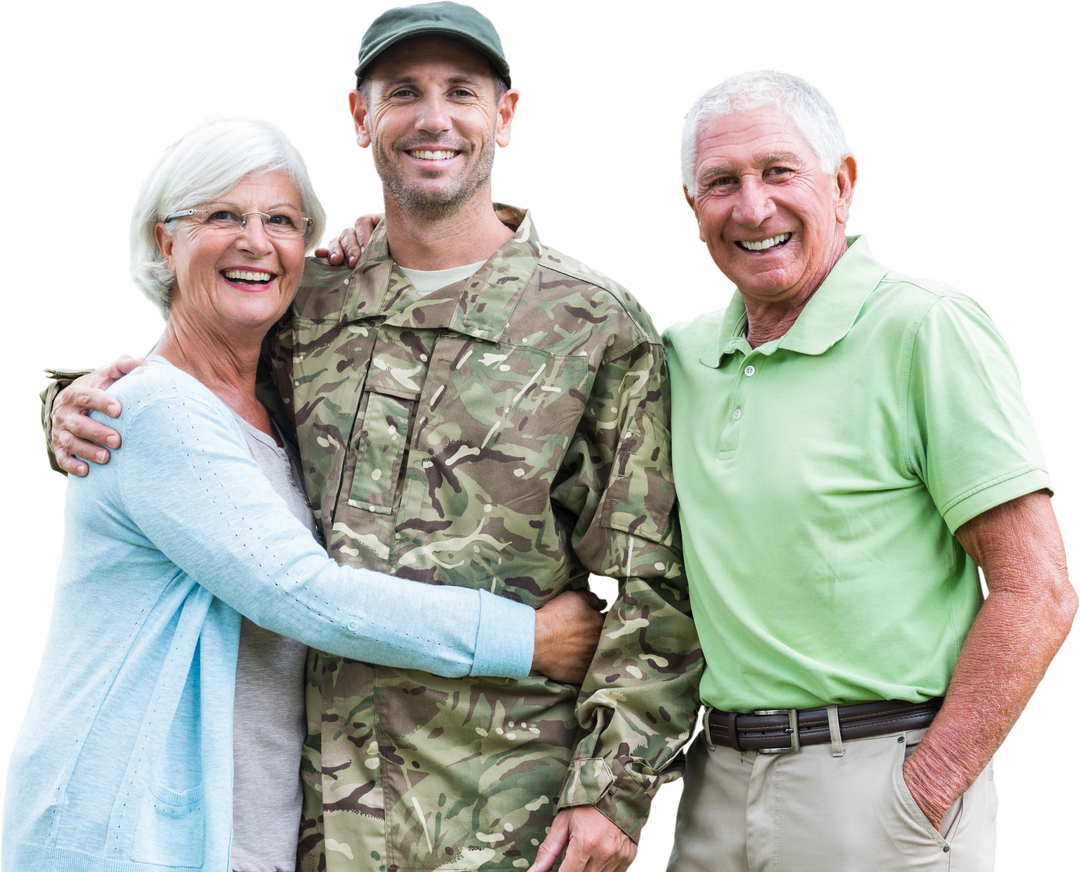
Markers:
<point>567,629</point>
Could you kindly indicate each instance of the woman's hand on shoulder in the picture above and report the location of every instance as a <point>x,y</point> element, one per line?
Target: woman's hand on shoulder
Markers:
<point>567,633</point>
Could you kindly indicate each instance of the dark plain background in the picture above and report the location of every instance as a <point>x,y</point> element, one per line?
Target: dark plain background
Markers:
<point>952,186</point>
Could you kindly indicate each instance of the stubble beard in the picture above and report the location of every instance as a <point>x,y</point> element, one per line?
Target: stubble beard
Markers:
<point>426,205</point>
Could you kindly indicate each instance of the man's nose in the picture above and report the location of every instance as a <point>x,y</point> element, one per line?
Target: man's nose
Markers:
<point>433,115</point>
<point>754,204</point>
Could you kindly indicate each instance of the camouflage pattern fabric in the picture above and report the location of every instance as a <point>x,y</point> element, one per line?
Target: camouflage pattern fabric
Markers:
<point>508,432</point>
<point>58,380</point>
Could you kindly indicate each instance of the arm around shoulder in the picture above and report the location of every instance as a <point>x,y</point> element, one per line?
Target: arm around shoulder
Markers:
<point>67,401</point>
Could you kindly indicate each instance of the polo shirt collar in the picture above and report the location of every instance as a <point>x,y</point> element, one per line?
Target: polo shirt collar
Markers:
<point>827,318</point>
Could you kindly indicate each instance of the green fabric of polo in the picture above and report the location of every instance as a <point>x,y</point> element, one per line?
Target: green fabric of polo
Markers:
<point>821,477</point>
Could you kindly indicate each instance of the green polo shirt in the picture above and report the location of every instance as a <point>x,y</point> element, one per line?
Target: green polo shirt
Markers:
<point>821,477</point>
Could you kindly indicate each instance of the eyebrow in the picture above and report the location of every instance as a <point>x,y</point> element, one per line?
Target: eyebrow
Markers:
<point>264,209</point>
<point>462,79</point>
<point>777,157</point>
<point>758,162</point>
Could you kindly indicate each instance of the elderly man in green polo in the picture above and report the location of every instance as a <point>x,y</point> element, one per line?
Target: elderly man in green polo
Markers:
<point>474,408</point>
<point>850,446</point>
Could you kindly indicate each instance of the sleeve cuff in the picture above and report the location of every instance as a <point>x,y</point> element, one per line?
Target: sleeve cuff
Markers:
<point>611,790</point>
<point>997,493</point>
<point>60,379</point>
<point>505,635</point>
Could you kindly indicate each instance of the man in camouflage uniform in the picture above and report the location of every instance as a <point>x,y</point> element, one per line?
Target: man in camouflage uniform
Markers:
<point>508,431</point>
<point>474,408</point>
<point>505,432</point>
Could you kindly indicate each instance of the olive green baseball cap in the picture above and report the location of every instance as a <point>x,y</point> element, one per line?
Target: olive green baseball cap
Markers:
<point>452,20</point>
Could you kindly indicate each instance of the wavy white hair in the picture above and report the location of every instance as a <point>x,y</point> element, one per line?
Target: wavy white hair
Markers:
<point>811,113</point>
<point>202,165</point>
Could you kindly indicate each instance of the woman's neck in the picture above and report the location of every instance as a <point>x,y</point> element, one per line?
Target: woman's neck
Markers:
<point>226,365</point>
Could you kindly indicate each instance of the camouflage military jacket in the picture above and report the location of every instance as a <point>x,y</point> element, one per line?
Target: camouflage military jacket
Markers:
<point>506,432</point>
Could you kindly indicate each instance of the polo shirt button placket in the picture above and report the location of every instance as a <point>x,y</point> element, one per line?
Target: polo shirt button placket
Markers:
<point>748,371</point>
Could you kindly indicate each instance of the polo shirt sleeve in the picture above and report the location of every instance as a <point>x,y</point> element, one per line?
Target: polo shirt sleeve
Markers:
<point>971,437</point>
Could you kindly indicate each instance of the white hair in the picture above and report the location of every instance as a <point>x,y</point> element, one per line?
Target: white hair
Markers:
<point>204,164</point>
<point>811,113</point>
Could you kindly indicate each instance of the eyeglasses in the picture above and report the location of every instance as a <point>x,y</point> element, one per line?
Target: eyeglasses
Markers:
<point>282,222</point>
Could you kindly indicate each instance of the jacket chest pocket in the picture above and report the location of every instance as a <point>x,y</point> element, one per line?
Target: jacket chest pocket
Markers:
<point>380,447</point>
<point>480,395</point>
<point>382,432</point>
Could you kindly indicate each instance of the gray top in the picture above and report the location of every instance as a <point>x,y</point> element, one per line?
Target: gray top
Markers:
<point>268,713</point>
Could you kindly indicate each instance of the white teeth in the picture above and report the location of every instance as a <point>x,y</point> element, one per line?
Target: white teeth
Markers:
<point>433,155</point>
<point>245,276</point>
<point>766,244</point>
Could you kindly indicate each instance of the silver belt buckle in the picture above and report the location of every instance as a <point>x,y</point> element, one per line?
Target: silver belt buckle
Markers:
<point>792,730</point>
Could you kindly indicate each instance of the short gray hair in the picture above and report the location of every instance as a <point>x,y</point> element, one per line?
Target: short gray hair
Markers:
<point>811,113</point>
<point>204,164</point>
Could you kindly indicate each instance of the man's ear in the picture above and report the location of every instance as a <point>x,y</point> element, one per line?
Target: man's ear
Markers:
<point>692,203</point>
<point>361,119</point>
<point>505,114</point>
<point>845,187</point>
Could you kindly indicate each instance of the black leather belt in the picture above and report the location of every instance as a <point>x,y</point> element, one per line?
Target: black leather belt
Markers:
<point>777,730</point>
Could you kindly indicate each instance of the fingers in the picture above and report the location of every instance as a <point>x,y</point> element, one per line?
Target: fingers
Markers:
<point>553,845</point>
<point>568,630</point>
<point>332,253</point>
<point>67,449</point>
<point>579,634</point>
<point>355,240</point>
<point>596,844</point>
<point>105,377</point>
<point>73,433</point>
<point>69,464</point>
<point>351,243</point>
<point>592,843</point>
<point>345,247</point>
<point>364,227</point>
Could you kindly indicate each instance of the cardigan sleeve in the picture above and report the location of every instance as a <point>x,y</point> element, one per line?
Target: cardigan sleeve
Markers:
<point>188,484</point>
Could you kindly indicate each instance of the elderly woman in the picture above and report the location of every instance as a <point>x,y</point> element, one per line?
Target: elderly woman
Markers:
<point>165,729</point>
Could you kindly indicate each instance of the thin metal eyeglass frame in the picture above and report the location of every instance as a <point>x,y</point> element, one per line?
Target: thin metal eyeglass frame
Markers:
<point>188,213</point>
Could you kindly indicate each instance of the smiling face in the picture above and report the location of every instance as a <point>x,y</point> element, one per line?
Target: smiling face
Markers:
<point>434,121</point>
<point>225,281</point>
<point>772,220</point>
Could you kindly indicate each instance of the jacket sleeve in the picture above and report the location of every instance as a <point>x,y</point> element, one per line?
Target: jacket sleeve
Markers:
<point>638,704</point>
<point>58,380</point>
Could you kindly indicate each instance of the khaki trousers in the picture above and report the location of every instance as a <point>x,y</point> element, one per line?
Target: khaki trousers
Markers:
<point>745,811</point>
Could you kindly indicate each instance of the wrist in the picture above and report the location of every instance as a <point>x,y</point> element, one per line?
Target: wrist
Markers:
<point>928,788</point>
<point>541,638</point>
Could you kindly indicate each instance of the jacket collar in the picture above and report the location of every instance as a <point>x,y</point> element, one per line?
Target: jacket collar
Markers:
<point>479,306</point>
